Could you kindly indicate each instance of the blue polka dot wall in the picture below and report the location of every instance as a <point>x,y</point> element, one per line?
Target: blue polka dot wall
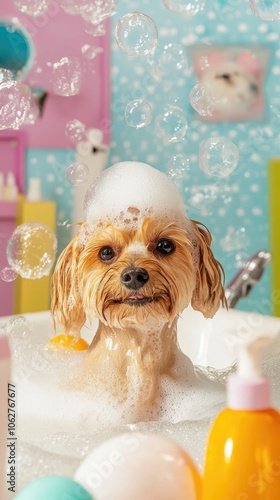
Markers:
<point>234,208</point>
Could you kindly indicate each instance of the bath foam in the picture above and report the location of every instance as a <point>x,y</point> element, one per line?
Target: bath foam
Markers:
<point>128,192</point>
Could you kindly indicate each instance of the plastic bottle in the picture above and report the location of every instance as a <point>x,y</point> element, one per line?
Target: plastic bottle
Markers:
<point>11,189</point>
<point>243,452</point>
<point>34,192</point>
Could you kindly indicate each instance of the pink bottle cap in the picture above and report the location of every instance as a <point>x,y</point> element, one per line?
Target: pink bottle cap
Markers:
<point>248,393</point>
<point>5,352</point>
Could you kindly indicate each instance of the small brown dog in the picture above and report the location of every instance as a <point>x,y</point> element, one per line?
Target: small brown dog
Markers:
<point>134,266</point>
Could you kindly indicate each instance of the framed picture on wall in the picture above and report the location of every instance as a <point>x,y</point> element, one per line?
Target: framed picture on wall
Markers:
<point>230,82</point>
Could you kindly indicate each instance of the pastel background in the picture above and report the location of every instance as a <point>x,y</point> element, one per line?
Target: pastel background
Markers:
<point>238,217</point>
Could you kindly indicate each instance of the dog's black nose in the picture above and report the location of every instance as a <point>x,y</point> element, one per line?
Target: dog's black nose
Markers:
<point>134,277</point>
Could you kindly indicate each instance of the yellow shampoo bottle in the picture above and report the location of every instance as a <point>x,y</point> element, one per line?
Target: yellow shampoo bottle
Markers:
<point>243,452</point>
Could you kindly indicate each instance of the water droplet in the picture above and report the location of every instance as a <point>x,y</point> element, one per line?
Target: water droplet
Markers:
<point>218,157</point>
<point>67,76</point>
<point>202,100</point>
<point>268,10</point>
<point>31,250</point>
<point>138,113</point>
<point>75,130</point>
<point>15,99</point>
<point>171,126</point>
<point>8,274</point>
<point>167,58</point>
<point>136,34</point>
<point>184,7</point>
<point>90,52</point>
<point>32,8</point>
<point>77,174</point>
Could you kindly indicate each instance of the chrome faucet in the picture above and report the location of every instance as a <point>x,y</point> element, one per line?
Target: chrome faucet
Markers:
<point>250,274</point>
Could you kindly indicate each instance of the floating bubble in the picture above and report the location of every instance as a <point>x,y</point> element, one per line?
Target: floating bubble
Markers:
<point>18,328</point>
<point>184,7</point>
<point>90,52</point>
<point>32,8</point>
<point>138,113</point>
<point>178,167</point>
<point>268,10</point>
<point>77,174</point>
<point>71,7</point>
<point>136,34</point>
<point>234,240</point>
<point>171,126</point>
<point>67,76</point>
<point>203,196</point>
<point>31,250</point>
<point>75,130</point>
<point>202,100</point>
<point>33,112</point>
<point>15,98</point>
<point>218,157</point>
<point>95,11</point>
<point>8,274</point>
<point>95,29</point>
<point>167,58</point>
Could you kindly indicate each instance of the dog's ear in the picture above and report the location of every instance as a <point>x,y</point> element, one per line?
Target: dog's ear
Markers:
<point>208,292</point>
<point>66,304</point>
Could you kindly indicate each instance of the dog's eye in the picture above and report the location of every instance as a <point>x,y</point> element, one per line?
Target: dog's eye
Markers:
<point>165,247</point>
<point>106,253</point>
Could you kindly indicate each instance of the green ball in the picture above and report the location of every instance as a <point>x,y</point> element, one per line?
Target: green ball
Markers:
<point>53,488</point>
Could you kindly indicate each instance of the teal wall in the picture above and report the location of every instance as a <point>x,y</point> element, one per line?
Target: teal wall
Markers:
<point>242,201</point>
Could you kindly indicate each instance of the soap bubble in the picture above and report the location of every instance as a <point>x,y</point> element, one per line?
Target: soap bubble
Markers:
<point>268,10</point>
<point>184,7</point>
<point>32,8</point>
<point>15,98</point>
<point>136,34</point>
<point>167,58</point>
<point>18,328</point>
<point>138,113</point>
<point>178,167</point>
<point>203,196</point>
<point>71,7</point>
<point>75,130</point>
<point>234,240</point>
<point>202,100</point>
<point>67,76</point>
<point>31,250</point>
<point>90,52</point>
<point>218,157</point>
<point>77,174</point>
<point>95,11</point>
<point>95,29</point>
<point>171,126</point>
<point>8,274</point>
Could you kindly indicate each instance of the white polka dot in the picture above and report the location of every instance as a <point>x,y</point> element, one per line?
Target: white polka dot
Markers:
<point>195,136</point>
<point>115,159</point>
<point>124,79</point>
<point>59,190</point>
<point>255,188</point>
<point>273,37</point>
<point>181,82</point>
<point>193,158</point>
<point>179,147</point>
<point>263,28</point>
<point>189,39</point>
<point>50,177</point>
<point>199,29</point>
<point>222,212</point>
<point>277,53</point>
<point>235,188</point>
<point>232,133</point>
<point>256,158</point>
<point>203,129</point>
<point>139,70</point>
<point>50,158</point>
<point>126,144</point>
<point>211,15</point>
<point>240,212</point>
<point>115,70</point>
<point>257,211</point>
<point>152,158</point>
<point>221,28</point>
<point>276,70</point>
<point>243,27</point>
<point>34,161</point>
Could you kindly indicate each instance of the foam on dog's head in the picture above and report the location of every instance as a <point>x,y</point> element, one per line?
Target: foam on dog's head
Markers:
<point>128,192</point>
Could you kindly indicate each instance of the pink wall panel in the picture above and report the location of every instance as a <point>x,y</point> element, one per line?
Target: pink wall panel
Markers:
<point>56,35</point>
